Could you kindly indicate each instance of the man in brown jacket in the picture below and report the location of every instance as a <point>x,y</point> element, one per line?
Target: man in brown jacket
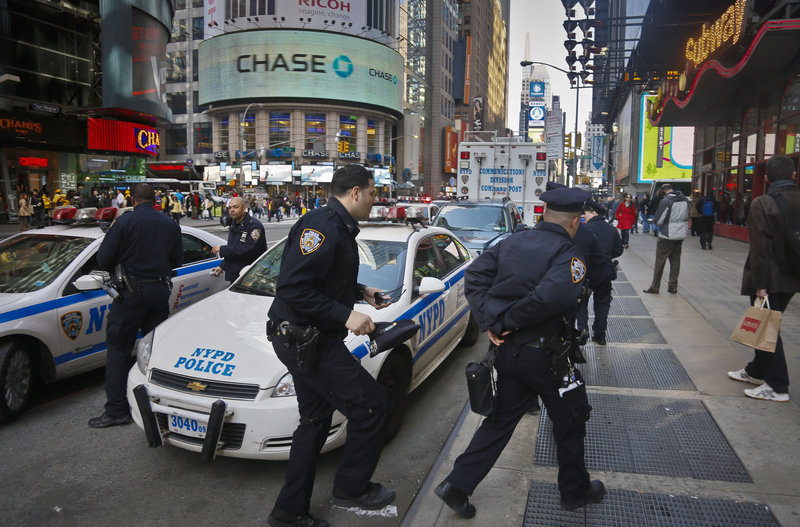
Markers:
<point>767,271</point>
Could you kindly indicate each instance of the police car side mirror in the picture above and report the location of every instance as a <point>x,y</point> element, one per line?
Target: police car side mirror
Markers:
<point>429,285</point>
<point>87,282</point>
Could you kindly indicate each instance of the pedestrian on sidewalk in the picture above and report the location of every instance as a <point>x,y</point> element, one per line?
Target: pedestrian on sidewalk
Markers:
<point>626,218</point>
<point>694,213</point>
<point>643,204</point>
<point>767,271</point>
<point>521,321</point>
<point>672,219</point>
<point>652,207</point>
<point>706,208</point>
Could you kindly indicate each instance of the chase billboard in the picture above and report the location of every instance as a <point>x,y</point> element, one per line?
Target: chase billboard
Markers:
<point>300,65</point>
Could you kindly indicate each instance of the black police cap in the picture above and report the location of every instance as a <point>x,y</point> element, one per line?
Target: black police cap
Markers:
<point>595,206</point>
<point>566,199</point>
<point>388,335</point>
<point>552,185</point>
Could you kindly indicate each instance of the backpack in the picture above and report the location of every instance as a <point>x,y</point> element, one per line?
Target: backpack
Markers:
<point>791,237</point>
<point>708,208</point>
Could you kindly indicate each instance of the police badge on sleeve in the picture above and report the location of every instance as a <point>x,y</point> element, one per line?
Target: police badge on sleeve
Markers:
<point>310,241</point>
<point>578,270</point>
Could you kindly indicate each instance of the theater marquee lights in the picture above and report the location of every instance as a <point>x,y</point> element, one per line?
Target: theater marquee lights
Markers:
<point>122,136</point>
<point>727,29</point>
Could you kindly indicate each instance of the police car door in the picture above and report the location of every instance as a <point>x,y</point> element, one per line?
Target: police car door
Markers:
<point>82,322</point>
<point>193,281</point>
<point>454,257</point>
<point>429,309</point>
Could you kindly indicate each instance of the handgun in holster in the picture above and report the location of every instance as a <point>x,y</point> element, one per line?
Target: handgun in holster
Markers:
<point>123,280</point>
<point>305,339</point>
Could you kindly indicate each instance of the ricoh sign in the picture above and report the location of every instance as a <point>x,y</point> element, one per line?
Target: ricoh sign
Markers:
<point>300,65</point>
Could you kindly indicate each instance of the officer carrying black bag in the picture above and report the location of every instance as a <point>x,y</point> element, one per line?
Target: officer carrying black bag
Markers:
<point>525,292</point>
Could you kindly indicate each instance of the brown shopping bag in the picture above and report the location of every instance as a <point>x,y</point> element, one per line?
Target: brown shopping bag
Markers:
<point>758,328</point>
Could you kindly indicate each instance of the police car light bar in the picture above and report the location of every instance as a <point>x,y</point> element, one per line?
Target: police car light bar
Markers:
<point>105,214</point>
<point>64,215</point>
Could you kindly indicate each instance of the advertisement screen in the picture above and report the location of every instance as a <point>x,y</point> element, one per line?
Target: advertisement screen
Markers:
<point>148,57</point>
<point>122,136</point>
<point>665,152</point>
<point>287,64</point>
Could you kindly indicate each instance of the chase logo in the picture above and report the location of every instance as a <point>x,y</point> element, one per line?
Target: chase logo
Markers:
<point>343,66</point>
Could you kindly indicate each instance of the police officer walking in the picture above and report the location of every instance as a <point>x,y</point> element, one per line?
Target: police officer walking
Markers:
<point>143,248</point>
<point>311,314</point>
<point>524,291</point>
<point>609,240</point>
<point>246,241</point>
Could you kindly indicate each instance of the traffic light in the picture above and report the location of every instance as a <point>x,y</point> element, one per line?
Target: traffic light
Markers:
<point>568,140</point>
<point>578,140</point>
<point>345,146</point>
<point>340,147</point>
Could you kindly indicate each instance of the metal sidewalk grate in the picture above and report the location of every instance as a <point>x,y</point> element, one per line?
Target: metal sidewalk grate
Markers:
<point>639,330</point>
<point>625,508</point>
<point>650,435</point>
<point>648,368</point>
<point>627,306</point>
<point>621,276</point>
<point>623,289</point>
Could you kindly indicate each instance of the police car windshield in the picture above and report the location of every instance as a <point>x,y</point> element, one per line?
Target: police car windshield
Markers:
<point>472,218</point>
<point>262,277</point>
<point>32,261</point>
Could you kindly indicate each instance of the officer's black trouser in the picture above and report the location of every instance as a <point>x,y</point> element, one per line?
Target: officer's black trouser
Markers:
<point>339,383</point>
<point>602,304</point>
<point>772,366</point>
<point>521,376</point>
<point>137,312</point>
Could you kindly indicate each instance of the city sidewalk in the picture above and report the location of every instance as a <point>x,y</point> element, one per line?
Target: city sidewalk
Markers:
<point>675,441</point>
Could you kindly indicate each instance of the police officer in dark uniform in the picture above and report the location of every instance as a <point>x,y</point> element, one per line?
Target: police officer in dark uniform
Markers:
<point>610,241</point>
<point>148,246</point>
<point>246,241</point>
<point>313,310</point>
<point>523,292</point>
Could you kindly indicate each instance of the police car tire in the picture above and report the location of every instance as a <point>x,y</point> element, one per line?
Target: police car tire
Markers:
<point>395,378</point>
<point>472,333</point>
<point>16,380</point>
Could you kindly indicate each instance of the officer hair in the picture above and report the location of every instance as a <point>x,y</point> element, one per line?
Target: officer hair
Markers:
<point>350,176</point>
<point>144,193</point>
<point>562,218</point>
<point>780,168</point>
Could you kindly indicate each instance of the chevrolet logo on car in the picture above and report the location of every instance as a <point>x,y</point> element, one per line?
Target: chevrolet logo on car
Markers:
<point>196,386</point>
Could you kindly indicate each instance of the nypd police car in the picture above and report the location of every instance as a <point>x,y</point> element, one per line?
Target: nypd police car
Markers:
<point>49,328</point>
<point>208,380</point>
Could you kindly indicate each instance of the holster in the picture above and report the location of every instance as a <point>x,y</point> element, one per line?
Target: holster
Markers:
<point>305,340</point>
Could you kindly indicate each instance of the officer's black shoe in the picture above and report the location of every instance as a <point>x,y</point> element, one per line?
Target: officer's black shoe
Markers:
<point>105,420</point>
<point>377,497</point>
<point>455,499</point>
<point>583,335</point>
<point>600,340</point>
<point>594,494</point>
<point>279,518</point>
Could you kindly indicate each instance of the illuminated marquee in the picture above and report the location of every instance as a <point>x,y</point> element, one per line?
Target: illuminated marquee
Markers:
<point>122,136</point>
<point>727,29</point>
<point>147,139</point>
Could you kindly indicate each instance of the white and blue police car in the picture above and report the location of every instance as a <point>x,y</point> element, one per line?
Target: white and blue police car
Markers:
<point>49,328</point>
<point>208,380</point>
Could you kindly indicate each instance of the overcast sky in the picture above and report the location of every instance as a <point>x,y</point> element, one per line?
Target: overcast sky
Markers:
<point>543,19</point>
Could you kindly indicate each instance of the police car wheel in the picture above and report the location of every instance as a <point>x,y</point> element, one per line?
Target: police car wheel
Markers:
<point>16,380</point>
<point>395,378</point>
<point>472,333</point>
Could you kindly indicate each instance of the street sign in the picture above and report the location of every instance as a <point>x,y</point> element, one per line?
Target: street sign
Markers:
<point>189,162</point>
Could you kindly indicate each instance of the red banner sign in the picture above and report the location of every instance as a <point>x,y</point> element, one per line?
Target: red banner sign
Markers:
<point>33,161</point>
<point>122,136</point>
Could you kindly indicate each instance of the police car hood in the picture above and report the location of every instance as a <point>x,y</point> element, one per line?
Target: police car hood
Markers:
<point>227,333</point>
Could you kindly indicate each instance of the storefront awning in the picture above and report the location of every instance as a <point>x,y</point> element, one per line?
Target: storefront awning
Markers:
<point>717,88</point>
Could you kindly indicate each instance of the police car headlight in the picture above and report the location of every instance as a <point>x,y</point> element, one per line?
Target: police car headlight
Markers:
<point>285,387</point>
<point>143,349</point>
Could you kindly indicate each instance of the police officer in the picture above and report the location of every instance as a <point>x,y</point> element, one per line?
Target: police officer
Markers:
<point>521,289</point>
<point>611,243</point>
<point>246,241</point>
<point>316,291</point>
<point>148,246</point>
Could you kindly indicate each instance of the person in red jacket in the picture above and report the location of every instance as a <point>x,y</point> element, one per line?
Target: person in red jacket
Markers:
<point>626,218</point>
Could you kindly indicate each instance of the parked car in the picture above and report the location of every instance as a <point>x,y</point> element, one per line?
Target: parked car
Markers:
<point>480,224</point>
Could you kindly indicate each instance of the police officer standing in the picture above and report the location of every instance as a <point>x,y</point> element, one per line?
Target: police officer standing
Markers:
<point>524,291</point>
<point>609,240</point>
<point>311,314</point>
<point>246,241</point>
<point>148,247</point>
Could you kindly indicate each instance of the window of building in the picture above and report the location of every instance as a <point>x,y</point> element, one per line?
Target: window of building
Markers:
<point>247,124</point>
<point>178,30</point>
<point>387,142</point>
<point>176,66</point>
<point>176,140</point>
<point>195,65</point>
<point>196,108</point>
<point>347,130</point>
<point>372,147</point>
<point>177,102</point>
<point>315,131</point>
<point>202,138</point>
<point>197,27</point>
<point>224,132</point>
<point>279,129</point>
<point>180,4</point>
<point>197,3</point>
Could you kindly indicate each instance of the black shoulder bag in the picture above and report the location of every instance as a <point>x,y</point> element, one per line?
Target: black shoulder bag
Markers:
<point>481,384</point>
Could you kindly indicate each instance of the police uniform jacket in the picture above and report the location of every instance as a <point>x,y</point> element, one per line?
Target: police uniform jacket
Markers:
<point>599,268</point>
<point>526,283</point>
<point>145,241</point>
<point>246,242</point>
<point>317,285</point>
<point>607,235</point>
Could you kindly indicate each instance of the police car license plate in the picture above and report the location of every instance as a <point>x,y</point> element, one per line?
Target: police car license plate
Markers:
<point>186,426</point>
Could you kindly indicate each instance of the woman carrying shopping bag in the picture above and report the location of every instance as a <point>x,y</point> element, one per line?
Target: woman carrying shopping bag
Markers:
<point>626,218</point>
